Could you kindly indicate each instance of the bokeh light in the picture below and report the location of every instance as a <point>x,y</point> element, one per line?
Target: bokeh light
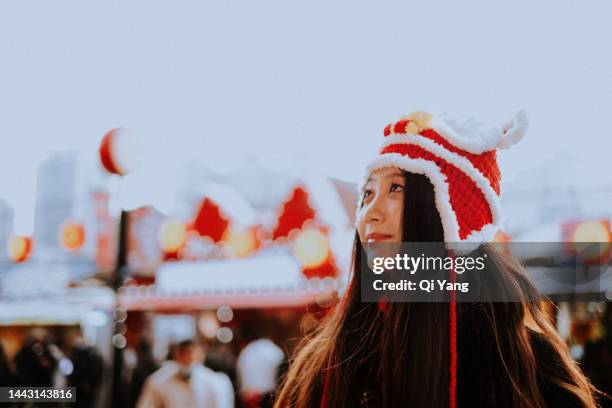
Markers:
<point>311,248</point>
<point>225,335</point>
<point>172,235</point>
<point>240,242</point>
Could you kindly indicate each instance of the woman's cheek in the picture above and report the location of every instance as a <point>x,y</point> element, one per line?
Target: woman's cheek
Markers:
<point>396,208</point>
<point>396,215</point>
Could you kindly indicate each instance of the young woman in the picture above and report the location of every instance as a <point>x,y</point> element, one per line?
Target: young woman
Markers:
<point>436,180</point>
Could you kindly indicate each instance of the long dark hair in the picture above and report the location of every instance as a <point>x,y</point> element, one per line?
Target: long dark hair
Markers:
<point>403,353</point>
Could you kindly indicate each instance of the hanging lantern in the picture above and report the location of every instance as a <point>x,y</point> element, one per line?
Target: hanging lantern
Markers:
<point>172,235</point>
<point>72,235</point>
<point>120,151</point>
<point>19,248</point>
<point>311,248</point>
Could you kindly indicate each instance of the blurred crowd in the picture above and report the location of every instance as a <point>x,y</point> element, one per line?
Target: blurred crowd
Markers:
<point>41,363</point>
<point>192,375</point>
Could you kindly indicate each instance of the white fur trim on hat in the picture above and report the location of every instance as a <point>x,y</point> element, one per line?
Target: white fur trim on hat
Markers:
<point>474,240</point>
<point>486,233</point>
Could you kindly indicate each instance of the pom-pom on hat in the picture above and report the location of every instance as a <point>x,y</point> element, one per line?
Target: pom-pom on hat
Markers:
<point>460,160</point>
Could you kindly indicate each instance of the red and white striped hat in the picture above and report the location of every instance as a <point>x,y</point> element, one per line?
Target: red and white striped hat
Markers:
<point>460,160</point>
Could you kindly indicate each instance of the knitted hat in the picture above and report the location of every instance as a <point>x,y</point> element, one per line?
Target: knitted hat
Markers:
<point>460,160</point>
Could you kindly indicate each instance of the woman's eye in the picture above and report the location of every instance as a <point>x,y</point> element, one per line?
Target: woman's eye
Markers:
<point>366,195</point>
<point>396,187</point>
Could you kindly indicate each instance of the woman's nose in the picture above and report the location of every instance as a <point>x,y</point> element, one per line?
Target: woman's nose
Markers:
<point>375,211</point>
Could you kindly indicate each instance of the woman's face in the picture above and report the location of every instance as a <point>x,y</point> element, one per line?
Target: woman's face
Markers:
<point>380,217</point>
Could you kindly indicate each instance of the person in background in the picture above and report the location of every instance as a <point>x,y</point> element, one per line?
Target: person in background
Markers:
<point>35,362</point>
<point>597,358</point>
<point>184,382</point>
<point>87,371</point>
<point>7,376</point>
<point>221,358</point>
<point>257,370</point>
<point>145,366</point>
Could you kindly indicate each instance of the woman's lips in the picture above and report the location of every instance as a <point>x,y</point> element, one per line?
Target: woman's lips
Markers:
<point>377,236</point>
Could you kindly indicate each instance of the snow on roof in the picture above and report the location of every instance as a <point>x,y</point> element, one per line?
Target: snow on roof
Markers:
<point>231,202</point>
<point>268,280</point>
<point>249,274</point>
<point>78,305</point>
<point>326,201</point>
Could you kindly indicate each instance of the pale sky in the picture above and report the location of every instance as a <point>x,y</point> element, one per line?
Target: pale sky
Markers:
<point>316,79</point>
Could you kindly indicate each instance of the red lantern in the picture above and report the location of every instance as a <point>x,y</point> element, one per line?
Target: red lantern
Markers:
<point>19,248</point>
<point>72,235</point>
<point>120,151</point>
